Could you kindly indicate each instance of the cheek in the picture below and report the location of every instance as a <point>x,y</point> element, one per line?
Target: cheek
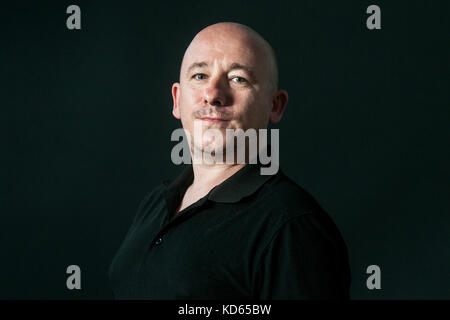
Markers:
<point>193,95</point>
<point>253,111</point>
<point>245,103</point>
<point>188,99</point>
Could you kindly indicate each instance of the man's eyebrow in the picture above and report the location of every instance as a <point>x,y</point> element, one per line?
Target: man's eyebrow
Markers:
<point>237,66</point>
<point>196,65</point>
<point>234,66</point>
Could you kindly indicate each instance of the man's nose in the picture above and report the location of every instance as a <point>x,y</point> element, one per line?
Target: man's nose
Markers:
<point>216,92</point>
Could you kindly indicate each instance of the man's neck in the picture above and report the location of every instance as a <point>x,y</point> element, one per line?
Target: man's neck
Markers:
<point>207,177</point>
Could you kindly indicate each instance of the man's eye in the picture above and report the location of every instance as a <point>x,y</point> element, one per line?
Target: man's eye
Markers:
<point>199,76</point>
<point>238,80</point>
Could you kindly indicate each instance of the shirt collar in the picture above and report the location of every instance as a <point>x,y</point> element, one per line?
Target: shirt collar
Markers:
<point>243,183</point>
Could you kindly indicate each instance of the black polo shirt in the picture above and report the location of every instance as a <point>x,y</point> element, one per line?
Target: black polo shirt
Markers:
<point>251,237</point>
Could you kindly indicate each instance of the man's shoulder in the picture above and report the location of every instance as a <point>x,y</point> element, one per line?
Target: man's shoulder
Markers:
<point>152,197</point>
<point>300,211</point>
<point>285,195</point>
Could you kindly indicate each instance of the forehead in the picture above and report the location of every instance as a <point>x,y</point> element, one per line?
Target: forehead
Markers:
<point>224,50</point>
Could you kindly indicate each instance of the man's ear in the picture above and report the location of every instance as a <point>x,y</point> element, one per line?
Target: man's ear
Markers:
<point>175,97</point>
<point>279,102</point>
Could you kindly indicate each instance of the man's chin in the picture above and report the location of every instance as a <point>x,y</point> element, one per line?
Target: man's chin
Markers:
<point>212,152</point>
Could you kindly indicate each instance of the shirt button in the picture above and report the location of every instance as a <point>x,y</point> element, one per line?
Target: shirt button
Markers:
<point>158,241</point>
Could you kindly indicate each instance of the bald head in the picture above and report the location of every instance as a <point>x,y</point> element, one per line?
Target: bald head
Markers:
<point>216,35</point>
<point>228,76</point>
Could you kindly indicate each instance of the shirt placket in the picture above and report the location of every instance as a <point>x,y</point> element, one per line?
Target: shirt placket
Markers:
<point>174,222</point>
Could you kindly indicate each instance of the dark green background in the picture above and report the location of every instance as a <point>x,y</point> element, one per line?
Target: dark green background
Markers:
<point>86,123</point>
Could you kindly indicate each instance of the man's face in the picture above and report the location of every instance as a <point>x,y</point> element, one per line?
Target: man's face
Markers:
<point>225,83</point>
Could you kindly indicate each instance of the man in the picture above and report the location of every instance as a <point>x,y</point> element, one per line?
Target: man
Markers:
<point>224,230</point>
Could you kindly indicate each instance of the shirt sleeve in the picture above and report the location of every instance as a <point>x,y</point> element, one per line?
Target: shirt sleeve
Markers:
<point>306,259</point>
